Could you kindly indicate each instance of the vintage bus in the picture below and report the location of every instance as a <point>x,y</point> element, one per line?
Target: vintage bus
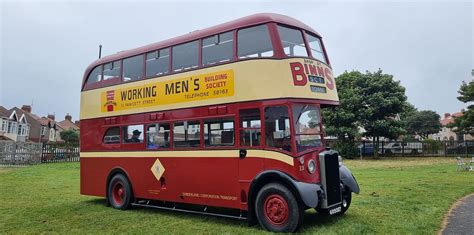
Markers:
<point>225,117</point>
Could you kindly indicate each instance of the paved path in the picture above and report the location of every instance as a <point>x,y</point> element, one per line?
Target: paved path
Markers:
<point>461,218</point>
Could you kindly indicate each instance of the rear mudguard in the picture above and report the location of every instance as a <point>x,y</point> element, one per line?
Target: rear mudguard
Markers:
<point>348,179</point>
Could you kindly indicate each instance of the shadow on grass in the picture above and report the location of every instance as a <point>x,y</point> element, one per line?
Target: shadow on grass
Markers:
<point>311,219</point>
<point>97,201</point>
<point>171,213</point>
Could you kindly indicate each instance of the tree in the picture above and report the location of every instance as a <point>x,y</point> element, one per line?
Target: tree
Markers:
<point>423,123</point>
<point>342,121</point>
<point>372,101</point>
<point>465,123</point>
<point>70,136</point>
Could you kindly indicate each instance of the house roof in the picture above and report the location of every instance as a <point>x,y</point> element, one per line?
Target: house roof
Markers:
<point>4,112</point>
<point>30,118</point>
<point>67,125</point>
<point>450,119</point>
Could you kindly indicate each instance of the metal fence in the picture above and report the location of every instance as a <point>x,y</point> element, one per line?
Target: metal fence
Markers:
<point>60,152</point>
<point>19,153</point>
<point>413,148</point>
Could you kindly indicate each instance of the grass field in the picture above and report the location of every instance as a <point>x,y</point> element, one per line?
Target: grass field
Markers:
<point>409,195</point>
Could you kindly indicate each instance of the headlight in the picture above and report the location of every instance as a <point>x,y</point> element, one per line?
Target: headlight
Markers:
<point>311,166</point>
<point>340,160</point>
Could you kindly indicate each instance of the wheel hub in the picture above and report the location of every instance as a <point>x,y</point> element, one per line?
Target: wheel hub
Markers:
<point>118,193</point>
<point>276,209</point>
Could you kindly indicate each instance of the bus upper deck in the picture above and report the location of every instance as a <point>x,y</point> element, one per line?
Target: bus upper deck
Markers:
<point>227,63</point>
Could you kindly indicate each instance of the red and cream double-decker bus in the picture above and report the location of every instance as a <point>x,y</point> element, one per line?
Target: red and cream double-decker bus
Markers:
<point>225,117</point>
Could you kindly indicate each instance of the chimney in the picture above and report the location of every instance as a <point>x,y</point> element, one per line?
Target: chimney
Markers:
<point>68,117</point>
<point>26,108</point>
<point>51,116</point>
<point>463,110</point>
<point>77,123</point>
<point>446,115</point>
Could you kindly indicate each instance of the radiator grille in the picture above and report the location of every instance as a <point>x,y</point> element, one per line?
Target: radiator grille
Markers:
<point>330,178</point>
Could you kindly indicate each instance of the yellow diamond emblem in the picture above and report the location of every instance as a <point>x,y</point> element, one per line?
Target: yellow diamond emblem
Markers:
<point>157,169</point>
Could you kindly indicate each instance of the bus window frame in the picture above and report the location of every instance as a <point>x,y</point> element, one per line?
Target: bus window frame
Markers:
<point>310,51</point>
<point>292,129</point>
<point>303,34</point>
<point>234,50</point>
<point>221,147</point>
<point>201,136</point>
<point>111,145</point>
<point>271,34</point>
<point>143,55</point>
<point>239,128</point>
<point>322,133</point>
<point>169,62</point>
<point>147,124</point>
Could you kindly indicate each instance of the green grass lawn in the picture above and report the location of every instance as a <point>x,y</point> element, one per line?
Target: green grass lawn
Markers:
<point>409,195</point>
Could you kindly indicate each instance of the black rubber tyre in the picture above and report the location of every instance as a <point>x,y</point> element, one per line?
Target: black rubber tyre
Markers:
<point>119,192</point>
<point>346,200</point>
<point>277,209</point>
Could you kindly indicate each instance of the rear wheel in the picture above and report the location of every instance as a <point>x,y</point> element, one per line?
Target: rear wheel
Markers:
<point>277,209</point>
<point>119,192</point>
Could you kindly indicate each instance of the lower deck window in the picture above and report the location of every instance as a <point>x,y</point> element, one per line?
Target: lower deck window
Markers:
<point>112,136</point>
<point>219,132</point>
<point>277,128</point>
<point>186,134</point>
<point>158,136</point>
<point>250,124</point>
<point>133,134</point>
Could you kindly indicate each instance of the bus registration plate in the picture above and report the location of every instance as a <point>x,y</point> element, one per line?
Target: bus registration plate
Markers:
<point>335,210</point>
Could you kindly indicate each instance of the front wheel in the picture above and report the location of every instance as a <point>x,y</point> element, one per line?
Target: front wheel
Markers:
<point>119,192</point>
<point>277,209</point>
<point>346,200</point>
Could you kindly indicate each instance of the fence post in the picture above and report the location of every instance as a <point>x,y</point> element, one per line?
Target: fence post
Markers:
<point>403,149</point>
<point>465,147</point>
<point>383,152</point>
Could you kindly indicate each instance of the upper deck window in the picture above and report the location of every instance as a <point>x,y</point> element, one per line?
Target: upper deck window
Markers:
<point>292,41</point>
<point>157,62</point>
<point>316,48</point>
<point>133,68</point>
<point>185,56</point>
<point>217,48</point>
<point>112,70</point>
<point>95,75</point>
<point>254,42</point>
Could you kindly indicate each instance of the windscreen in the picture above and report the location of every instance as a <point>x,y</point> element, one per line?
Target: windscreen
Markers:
<point>307,126</point>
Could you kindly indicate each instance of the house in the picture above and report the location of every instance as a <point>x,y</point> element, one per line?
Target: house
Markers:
<point>49,129</point>
<point>13,125</point>
<point>68,124</point>
<point>446,133</point>
<point>42,129</point>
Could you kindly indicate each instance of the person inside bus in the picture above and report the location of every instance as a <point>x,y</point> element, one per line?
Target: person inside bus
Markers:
<point>136,136</point>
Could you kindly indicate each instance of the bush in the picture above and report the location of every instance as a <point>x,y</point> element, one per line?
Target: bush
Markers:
<point>347,149</point>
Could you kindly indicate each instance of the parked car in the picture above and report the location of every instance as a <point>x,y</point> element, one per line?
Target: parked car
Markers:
<point>402,148</point>
<point>366,149</point>
<point>461,148</point>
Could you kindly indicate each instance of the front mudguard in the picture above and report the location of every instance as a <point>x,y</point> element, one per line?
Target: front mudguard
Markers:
<point>348,179</point>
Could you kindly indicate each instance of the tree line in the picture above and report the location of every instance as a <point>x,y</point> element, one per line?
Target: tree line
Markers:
<point>374,105</point>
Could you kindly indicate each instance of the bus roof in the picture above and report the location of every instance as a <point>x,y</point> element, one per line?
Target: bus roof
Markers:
<point>231,25</point>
